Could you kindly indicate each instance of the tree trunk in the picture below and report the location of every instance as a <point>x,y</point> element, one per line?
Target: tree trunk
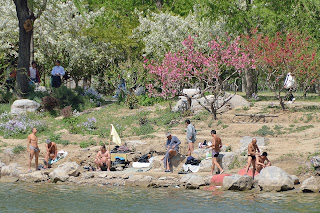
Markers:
<point>249,83</point>
<point>25,32</point>
<point>213,111</point>
<point>31,48</point>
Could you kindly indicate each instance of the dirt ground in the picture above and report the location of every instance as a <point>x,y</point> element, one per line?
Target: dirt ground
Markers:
<point>289,150</point>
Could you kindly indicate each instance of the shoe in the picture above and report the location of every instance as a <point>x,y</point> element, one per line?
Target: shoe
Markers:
<point>293,100</point>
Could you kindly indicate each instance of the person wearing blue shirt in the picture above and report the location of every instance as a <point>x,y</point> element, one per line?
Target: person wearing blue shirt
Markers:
<point>172,146</point>
<point>56,74</point>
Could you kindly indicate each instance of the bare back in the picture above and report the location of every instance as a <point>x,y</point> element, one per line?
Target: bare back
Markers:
<point>217,144</point>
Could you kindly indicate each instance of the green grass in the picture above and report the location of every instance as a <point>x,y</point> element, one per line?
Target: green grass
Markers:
<point>85,144</point>
<point>17,149</point>
<point>264,131</point>
<point>56,137</point>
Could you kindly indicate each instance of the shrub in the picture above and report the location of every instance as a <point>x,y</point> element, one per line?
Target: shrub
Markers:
<point>132,101</point>
<point>143,130</point>
<point>265,130</point>
<point>87,126</point>
<point>146,100</point>
<point>49,103</point>
<point>57,139</point>
<point>17,149</point>
<point>85,144</point>
<point>67,112</point>
<point>94,97</point>
<point>68,97</point>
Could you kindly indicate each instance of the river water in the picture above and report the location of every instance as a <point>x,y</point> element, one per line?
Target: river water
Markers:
<point>18,197</point>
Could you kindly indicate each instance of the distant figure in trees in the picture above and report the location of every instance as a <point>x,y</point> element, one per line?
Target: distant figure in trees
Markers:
<point>34,74</point>
<point>56,74</point>
<point>289,84</point>
<point>11,79</point>
<point>121,86</point>
<point>263,162</point>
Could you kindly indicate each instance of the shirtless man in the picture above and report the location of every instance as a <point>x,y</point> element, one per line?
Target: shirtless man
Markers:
<point>253,150</point>
<point>216,145</point>
<point>33,148</point>
<point>52,152</point>
<point>103,158</point>
<point>261,162</point>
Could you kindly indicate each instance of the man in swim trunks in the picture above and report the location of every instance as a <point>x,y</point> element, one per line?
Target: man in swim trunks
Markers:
<point>216,145</point>
<point>52,152</point>
<point>253,150</point>
<point>33,148</point>
<point>262,162</point>
<point>103,159</point>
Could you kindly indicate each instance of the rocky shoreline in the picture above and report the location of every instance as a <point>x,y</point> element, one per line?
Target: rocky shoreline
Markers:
<point>270,179</point>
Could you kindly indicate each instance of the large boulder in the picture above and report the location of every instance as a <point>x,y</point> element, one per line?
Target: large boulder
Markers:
<point>217,180</point>
<point>37,176</point>
<point>273,178</point>
<point>139,180</point>
<point>10,170</point>
<point>63,171</point>
<point>1,164</point>
<point>200,153</point>
<point>246,140</point>
<point>193,181</point>
<point>310,185</point>
<point>315,161</point>
<point>23,106</point>
<point>225,159</point>
<point>237,182</point>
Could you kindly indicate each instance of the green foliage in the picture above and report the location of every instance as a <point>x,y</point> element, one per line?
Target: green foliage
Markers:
<point>143,129</point>
<point>264,131</point>
<point>68,97</point>
<point>37,96</point>
<point>145,100</point>
<point>219,122</point>
<point>85,144</point>
<point>132,101</point>
<point>17,149</point>
<point>56,137</point>
<point>7,97</point>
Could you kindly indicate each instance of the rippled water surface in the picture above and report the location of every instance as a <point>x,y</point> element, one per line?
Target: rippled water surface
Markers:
<point>68,198</point>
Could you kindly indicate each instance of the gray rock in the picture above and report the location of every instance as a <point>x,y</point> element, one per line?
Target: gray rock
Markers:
<point>1,164</point>
<point>88,175</point>
<point>200,153</point>
<point>139,91</point>
<point>23,106</point>
<point>139,180</point>
<point>8,151</point>
<point>63,171</point>
<point>225,159</point>
<point>237,182</point>
<point>246,140</point>
<point>273,178</point>
<point>295,179</point>
<point>193,181</point>
<point>37,176</point>
<point>315,161</point>
<point>40,89</point>
<point>10,170</point>
<point>310,185</point>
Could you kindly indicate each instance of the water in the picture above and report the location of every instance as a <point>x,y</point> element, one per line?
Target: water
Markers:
<point>20,197</point>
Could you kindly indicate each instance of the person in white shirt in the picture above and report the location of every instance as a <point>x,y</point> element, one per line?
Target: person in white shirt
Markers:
<point>33,74</point>
<point>289,84</point>
<point>56,74</point>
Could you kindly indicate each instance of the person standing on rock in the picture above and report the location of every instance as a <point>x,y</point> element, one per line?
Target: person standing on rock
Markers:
<point>262,162</point>
<point>216,145</point>
<point>56,74</point>
<point>191,136</point>
<point>52,152</point>
<point>103,159</point>
<point>253,150</point>
<point>33,148</point>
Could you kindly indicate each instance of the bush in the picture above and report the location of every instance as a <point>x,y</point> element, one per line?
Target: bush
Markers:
<point>146,100</point>
<point>265,130</point>
<point>36,96</point>
<point>94,97</point>
<point>132,101</point>
<point>143,130</point>
<point>49,103</point>
<point>67,112</point>
<point>57,139</point>
<point>68,97</point>
<point>17,149</point>
<point>85,144</point>
<point>7,97</point>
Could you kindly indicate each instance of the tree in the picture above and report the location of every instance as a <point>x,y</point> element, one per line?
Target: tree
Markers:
<point>190,67</point>
<point>26,17</point>
<point>276,56</point>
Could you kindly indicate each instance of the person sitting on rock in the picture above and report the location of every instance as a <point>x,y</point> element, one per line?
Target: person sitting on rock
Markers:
<point>216,145</point>
<point>172,146</point>
<point>262,162</point>
<point>253,150</point>
<point>52,152</point>
<point>103,159</point>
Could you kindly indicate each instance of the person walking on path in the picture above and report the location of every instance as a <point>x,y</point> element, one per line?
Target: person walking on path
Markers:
<point>191,136</point>
<point>253,150</point>
<point>56,74</point>
<point>33,148</point>
<point>216,145</point>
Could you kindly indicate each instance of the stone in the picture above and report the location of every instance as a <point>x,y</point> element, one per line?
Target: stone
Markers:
<point>274,178</point>
<point>139,180</point>
<point>37,176</point>
<point>193,181</point>
<point>23,106</point>
<point>40,89</point>
<point>8,151</point>
<point>295,179</point>
<point>10,170</point>
<point>1,164</point>
<point>315,161</point>
<point>177,160</point>
<point>87,175</point>
<point>63,171</point>
<point>217,180</point>
<point>246,140</point>
<point>200,153</point>
<point>237,182</point>
<point>139,91</point>
<point>310,185</point>
<point>225,159</point>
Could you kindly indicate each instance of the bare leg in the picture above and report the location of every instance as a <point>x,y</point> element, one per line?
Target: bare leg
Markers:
<point>254,167</point>
<point>168,166</point>
<point>248,165</point>
<point>214,159</point>
<point>212,167</point>
<point>31,154</point>
<point>108,164</point>
<point>97,162</point>
<point>191,148</point>
<point>37,159</point>
<point>46,158</point>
